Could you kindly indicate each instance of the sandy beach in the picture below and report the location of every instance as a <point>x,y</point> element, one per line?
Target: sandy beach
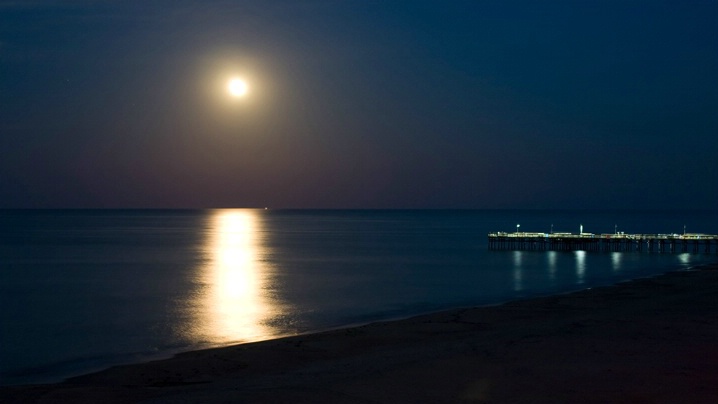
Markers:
<point>645,341</point>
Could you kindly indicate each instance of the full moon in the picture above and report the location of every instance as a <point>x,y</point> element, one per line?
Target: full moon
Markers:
<point>237,88</point>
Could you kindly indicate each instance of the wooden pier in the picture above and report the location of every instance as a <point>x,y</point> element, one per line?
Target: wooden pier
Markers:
<point>703,243</point>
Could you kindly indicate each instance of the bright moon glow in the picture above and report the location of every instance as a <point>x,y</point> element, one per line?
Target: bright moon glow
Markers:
<point>237,87</point>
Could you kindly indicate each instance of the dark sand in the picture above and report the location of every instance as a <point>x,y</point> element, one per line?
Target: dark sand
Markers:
<point>651,340</point>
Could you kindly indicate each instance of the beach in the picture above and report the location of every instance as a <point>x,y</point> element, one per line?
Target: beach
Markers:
<point>651,340</point>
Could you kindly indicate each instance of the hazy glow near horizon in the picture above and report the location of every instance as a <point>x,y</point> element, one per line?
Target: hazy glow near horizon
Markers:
<point>237,87</point>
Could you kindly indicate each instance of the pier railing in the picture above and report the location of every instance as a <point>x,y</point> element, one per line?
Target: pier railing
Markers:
<point>693,242</point>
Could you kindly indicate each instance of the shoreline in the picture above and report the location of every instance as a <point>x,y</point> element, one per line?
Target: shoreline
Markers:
<point>646,340</point>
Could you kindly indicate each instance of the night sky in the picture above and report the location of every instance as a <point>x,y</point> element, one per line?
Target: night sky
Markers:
<point>359,104</point>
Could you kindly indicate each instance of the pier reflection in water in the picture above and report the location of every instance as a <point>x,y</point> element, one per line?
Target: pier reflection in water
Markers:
<point>616,258</point>
<point>234,304</point>
<point>552,256</point>
<point>685,258</point>
<point>580,266</point>
<point>557,268</point>
<point>518,271</point>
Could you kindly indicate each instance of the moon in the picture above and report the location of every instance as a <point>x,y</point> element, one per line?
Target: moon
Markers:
<point>237,87</point>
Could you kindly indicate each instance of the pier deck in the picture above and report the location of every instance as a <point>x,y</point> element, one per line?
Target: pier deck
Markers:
<point>604,242</point>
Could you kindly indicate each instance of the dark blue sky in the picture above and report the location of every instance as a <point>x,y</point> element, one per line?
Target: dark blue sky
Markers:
<point>359,104</point>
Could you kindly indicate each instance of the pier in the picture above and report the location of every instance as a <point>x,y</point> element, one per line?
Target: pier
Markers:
<point>697,243</point>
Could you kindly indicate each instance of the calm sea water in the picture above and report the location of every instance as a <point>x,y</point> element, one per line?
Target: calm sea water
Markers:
<point>83,290</point>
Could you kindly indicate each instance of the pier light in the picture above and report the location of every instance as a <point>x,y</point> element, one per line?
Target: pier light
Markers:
<point>517,228</point>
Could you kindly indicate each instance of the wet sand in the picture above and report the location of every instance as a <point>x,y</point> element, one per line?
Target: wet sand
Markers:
<point>646,341</point>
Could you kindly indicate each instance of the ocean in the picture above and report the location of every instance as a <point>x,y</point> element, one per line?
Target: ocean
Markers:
<point>82,290</point>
